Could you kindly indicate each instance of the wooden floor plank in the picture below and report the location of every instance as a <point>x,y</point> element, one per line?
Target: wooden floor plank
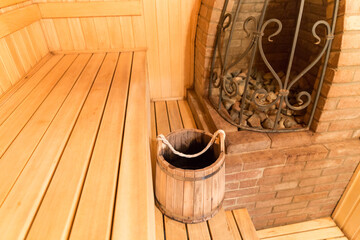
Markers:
<point>174,230</point>
<point>232,223</point>
<point>20,206</point>
<point>162,120</point>
<point>11,127</point>
<point>94,214</point>
<point>297,227</point>
<point>17,97</point>
<point>219,227</point>
<point>55,215</point>
<point>318,234</point>
<point>13,161</point>
<point>159,224</point>
<point>174,115</point>
<point>199,231</point>
<point>186,115</point>
<point>6,95</point>
<point>134,198</point>
<point>245,225</point>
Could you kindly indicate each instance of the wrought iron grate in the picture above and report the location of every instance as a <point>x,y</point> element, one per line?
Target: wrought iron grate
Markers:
<point>244,97</point>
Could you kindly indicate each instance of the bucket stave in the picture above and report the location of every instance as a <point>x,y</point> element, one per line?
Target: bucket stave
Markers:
<point>190,190</point>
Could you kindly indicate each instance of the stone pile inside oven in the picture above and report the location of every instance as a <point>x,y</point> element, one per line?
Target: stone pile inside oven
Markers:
<point>263,116</point>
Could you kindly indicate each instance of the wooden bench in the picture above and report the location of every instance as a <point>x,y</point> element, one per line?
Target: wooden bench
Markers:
<point>74,150</point>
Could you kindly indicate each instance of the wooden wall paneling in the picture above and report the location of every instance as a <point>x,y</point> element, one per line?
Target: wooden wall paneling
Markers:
<point>164,58</point>
<point>18,19</point>
<point>347,212</point>
<point>115,34</point>
<point>139,31</point>
<point>102,31</point>
<point>5,3</point>
<point>76,33</point>
<point>38,38</point>
<point>127,32</point>
<point>33,55</point>
<point>176,50</point>
<point>151,28</point>
<point>9,62</point>
<point>63,31</point>
<point>90,9</point>
<point>50,34</point>
<point>89,32</point>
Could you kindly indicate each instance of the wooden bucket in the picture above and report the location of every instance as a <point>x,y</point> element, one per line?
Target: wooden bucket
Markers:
<point>190,190</point>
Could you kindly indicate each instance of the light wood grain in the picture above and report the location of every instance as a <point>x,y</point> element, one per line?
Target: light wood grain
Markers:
<point>94,214</point>
<point>347,212</point>
<point>198,231</point>
<point>232,224</point>
<point>15,20</point>
<point>219,227</point>
<point>174,230</point>
<point>6,3</point>
<point>134,210</point>
<point>297,227</point>
<point>55,215</point>
<point>245,224</point>
<point>319,234</point>
<point>41,166</point>
<point>90,9</point>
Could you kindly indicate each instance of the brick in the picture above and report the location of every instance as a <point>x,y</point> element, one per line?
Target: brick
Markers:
<point>241,192</point>
<point>336,193</point>
<point>352,23</point>
<point>327,137</point>
<point>288,140</point>
<point>248,183</point>
<point>284,169</point>
<point>301,175</point>
<point>344,177</point>
<point>349,102</point>
<point>255,198</point>
<point>257,173</point>
<point>229,202</point>
<point>323,202</point>
<point>233,164</point>
<point>321,214</point>
<point>231,186</point>
<point>270,180</point>
<point>291,219</point>
<point>318,180</point>
<point>318,127</point>
<point>273,202</point>
<point>294,192</point>
<point>287,207</point>
<point>339,75</point>
<point>269,216</point>
<point>246,141</point>
<point>341,90</point>
<point>323,164</point>
<point>351,147</point>
<point>262,159</point>
<point>303,210</point>
<point>339,114</point>
<point>345,124</point>
<point>278,187</point>
<point>260,211</point>
<point>310,153</point>
<point>310,196</point>
<point>330,186</point>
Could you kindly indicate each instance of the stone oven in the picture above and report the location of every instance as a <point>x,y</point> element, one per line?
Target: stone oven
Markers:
<point>290,108</point>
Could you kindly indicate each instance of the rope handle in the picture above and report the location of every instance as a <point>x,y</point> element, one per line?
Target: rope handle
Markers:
<point>220,133</point>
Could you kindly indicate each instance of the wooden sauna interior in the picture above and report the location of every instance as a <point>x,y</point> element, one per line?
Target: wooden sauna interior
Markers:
<point>85,87</point>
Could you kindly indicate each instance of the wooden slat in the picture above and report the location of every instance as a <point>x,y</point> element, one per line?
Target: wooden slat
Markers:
<point>16,218</point>
<point>219,227</point>
<point>174,116</point>
<point>159,224</point>
<point>297,227</point>
<point>55,215</point>
<point>13,161</point>
<point>162,121</point>
<point>199,231</point>
<point>6,108</point>
<point>17,120</point>
<point>94,214</point>
<point>90,9</point>
<point>186,115</point>
<point>318,234</point>
<point>174,230</point>
<point>232,224</point>
<point>18,19</point>
<point>5,3</point>
<point>134,210</point>
<point>245,225</point>
<point>5,96</point>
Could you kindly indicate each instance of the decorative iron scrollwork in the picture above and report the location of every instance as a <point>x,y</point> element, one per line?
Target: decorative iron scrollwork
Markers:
<point>235,86</point>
